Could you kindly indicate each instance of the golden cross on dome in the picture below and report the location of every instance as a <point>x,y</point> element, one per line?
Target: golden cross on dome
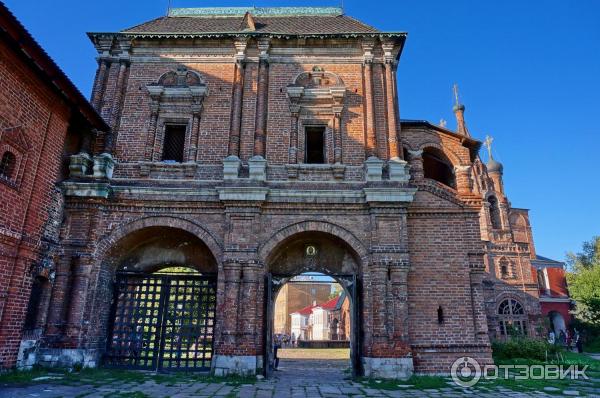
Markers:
<point>488,144</point>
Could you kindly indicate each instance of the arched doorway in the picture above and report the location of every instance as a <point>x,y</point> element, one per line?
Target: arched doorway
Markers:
<point>164,301</point>
<point>319,252</point>
<point>557,321</point>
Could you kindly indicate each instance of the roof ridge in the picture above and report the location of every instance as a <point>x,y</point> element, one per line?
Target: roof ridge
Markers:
<point>204,12</point>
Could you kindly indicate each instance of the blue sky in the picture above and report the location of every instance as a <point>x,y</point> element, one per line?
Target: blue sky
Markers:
<point>528,72</point>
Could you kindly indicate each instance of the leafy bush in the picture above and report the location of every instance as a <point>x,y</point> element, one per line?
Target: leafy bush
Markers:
<point>527,348</point>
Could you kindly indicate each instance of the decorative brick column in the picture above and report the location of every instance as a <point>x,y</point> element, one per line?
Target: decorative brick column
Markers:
<point>477,275</point>
<point>77,300</point>
<point>151,141</point>
<point>293,151</point>
<point>250,315</point>
<point>387,351</point>
<point>416,165</point>
<point>99,82</point>
<point>56,312</point>
<point>195,132</point>
<point>394,147</point>
<point>232,272</point>
<point>117,101</point>
<point>371,141</point>
<point>260,138</point>
<point>463,179</point>
<point>238,95</point>
<point>337,137</point>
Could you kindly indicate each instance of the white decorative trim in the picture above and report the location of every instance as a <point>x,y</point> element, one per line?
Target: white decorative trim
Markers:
<point>243,193</point>
<point>389,194</point>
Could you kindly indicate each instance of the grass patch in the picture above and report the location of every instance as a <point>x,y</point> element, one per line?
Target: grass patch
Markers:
<point>566,359</point>
<point>104,376</point>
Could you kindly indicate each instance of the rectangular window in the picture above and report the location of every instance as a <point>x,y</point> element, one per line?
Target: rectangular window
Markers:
<point>315,144</point>
<point>174,143</point>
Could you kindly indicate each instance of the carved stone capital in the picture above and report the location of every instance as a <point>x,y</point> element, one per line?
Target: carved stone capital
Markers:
<point>240,43</point>
<point>263,49</point>
<point>415,154</point>
<point>79,164</point>
<point>367,46</point>
<point>104,165</point>
<point>388,52</point>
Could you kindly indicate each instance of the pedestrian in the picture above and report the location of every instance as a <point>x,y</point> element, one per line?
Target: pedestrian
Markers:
<point>276,346</point>
<point>578,341</point>
<point>562,338</point>
<point>551,337</point>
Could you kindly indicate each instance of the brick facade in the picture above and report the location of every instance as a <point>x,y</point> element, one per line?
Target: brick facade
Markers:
<point>40,125</point>
<point>243,203</point>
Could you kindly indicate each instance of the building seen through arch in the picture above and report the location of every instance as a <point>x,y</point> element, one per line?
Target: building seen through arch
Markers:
<point>239,150</point>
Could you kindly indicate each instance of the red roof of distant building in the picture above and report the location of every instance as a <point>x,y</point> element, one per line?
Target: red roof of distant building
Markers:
<point>305,311</point>
<point>328,305</point>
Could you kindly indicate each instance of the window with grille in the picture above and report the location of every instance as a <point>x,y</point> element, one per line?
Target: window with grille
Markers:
<point>315,144</point>
<point>174,143</point>
<point>513,319</point>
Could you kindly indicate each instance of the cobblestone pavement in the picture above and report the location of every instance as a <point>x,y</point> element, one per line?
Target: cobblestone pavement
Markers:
<point>294,379</point>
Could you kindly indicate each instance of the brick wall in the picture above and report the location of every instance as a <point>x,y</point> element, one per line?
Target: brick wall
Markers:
<point>40,117</point>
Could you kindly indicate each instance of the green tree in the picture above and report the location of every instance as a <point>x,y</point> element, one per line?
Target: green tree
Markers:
<point>584,281</point>
<point>336,290</point>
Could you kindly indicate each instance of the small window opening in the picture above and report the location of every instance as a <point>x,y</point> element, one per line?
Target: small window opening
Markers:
<point>437,166</point>
<point>174,143</point>
<point>440,314</point>
<point>315,144</point>
<point>494,213</point>
<point>35,300</point>
<point>7,165</point>
<point>504,271</point>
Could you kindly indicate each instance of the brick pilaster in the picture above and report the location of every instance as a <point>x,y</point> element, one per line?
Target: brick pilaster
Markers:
<point>262,98</point>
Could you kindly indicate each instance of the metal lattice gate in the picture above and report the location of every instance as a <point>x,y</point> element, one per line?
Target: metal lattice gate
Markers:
<point>162,321</point>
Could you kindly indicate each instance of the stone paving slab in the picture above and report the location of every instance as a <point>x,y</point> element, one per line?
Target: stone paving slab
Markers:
<point>295,379</point>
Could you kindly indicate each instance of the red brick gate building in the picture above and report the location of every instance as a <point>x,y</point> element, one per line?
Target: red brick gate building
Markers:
<point>251,145</point>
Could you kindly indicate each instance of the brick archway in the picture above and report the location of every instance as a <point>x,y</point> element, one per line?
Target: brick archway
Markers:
<point>270,246</point>
<point>129,260</point>
<point>106,244</point>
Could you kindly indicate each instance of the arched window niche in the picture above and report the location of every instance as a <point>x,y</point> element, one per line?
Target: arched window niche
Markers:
<point>438,167</point>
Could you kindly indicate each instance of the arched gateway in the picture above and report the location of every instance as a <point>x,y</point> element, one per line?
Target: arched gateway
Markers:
<point>316,251</point>
<point>163,312</point>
